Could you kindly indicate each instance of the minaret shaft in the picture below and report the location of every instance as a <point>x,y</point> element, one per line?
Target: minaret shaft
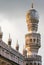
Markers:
<point>32,38</point>
<point>32,43</point>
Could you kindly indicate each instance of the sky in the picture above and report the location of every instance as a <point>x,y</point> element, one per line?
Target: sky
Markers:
<point>13,21</point>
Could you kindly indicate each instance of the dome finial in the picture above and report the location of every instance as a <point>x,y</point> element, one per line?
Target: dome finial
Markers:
<point>32,5</point>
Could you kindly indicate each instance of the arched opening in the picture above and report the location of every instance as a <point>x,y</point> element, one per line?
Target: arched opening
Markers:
<point>30,40</point>
<point>34,40</point>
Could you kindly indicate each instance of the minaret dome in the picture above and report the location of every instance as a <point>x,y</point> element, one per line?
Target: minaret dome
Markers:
<point>32,19</point>
<point>32,14</point>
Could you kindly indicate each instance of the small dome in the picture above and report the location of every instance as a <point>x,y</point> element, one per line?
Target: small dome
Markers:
<point>32,14</point>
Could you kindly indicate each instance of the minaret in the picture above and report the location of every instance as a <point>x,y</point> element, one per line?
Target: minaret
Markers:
<point>1,34</point>
<point>24,51</point>
<point>17,46</point>
<point>9,41</point>
<point>32,38</point>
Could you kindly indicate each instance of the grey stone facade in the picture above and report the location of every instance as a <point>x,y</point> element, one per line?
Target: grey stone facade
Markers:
<point>10,54</point>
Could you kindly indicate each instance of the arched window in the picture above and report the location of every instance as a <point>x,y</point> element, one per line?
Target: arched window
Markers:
<point>30,40</point>
<point>34,40</point>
